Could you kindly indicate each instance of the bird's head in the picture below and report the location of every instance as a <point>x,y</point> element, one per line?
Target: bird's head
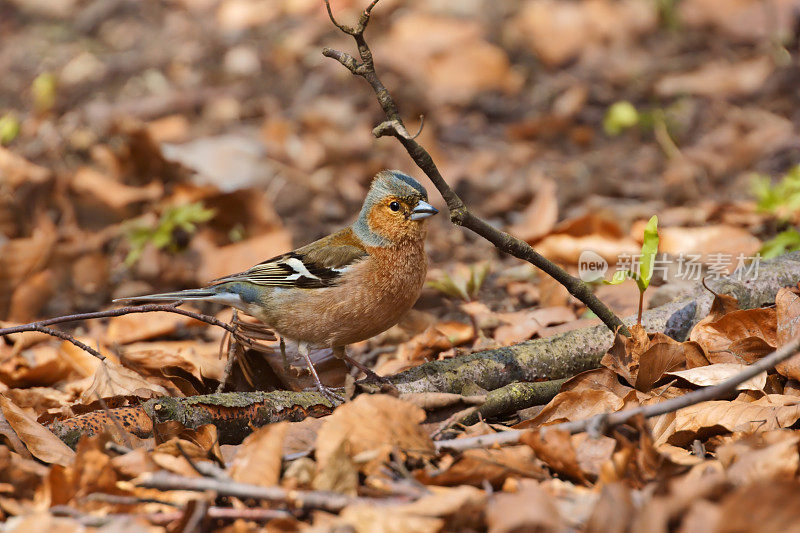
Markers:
<point>394,211</point>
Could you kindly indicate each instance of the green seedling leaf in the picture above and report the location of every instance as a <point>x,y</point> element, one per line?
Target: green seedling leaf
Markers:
<point>9,128</point>
<point>784,242</point>
<point>619,117</point>
<point>649,250</point>
<point>618,277</point>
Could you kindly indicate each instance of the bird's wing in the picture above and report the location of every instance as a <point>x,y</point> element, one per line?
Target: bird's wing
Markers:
<point>316,265</point>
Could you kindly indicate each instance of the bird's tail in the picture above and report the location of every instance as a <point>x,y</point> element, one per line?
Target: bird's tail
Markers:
<point>208,294</point>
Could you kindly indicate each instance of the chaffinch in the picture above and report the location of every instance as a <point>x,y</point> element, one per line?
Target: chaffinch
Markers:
<point>343,288</point>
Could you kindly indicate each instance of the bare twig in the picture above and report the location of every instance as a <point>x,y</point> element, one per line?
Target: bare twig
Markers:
<point>42,325</point>
<point>328,501</point>
<point>603,422</point>
<point>164,518</point>
<point>65,336</point>
<point>459,214</point>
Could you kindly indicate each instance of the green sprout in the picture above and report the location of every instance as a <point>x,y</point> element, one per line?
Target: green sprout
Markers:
<point>465,285</point>
<point>781,199</point>
<point>642,278</point>
<point>44,89</point>
<point>9,128</point>
<point>782,243</point>
<point>619,117</point>
<point>162,236</point>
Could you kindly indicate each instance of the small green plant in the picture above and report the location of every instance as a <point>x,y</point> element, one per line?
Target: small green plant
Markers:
<point>781,199</point>
<point>464,284</point>
<point>642,278</point>
<point>162,236</point>
<point>619,117</point>
<point>44,89</point>
<point>782,243</point>
<point>9,128</point>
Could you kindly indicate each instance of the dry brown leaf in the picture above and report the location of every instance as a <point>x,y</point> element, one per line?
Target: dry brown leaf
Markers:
<point>719,79</point>
<point>523,325</point>
<point>787,309</point>
<point>743,20</point>
<point>568,249</point>
<point>217,262</point>
<point>135,327</point>
<point>43,444</point>
<point>541,215</point>
<point>462,507</point>
<point>41,365</point>
<point>576,405</point>
<point>258,460</point>
<point>530,508</point>
<point>301,436</point>
<point>554,447</point>
<point>372,426</point>
<point>773,411</point>
<point>110,192</point>
<point>362,518</point>
<point>717,336</point>
<point>561,31</point>
<point>456,62</point>
<point>767,506</point>
<point>707,241</point>
<point>201,359</point>
<point>338,473</point>
<point>643,358</point>
<point>424,347</point>
<point>112,380</point>
<point>474,467</point>
<point>706,376</point>
<point>613,511</point>
<point>766,456</point>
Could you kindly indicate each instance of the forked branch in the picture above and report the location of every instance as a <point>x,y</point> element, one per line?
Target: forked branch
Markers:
<point>459,213</point>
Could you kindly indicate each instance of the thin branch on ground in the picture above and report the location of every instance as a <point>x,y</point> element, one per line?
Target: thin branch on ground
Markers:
<point>459,213</point>
<point>42,325</point>
<point>65,336</point>
<point>602,423</point>
<point>327,501</point>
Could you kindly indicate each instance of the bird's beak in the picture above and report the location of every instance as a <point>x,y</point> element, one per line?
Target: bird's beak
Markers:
<point>423,210</point>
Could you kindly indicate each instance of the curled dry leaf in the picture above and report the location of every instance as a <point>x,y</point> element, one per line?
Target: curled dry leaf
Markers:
<point>529,508</point>
<point>201,359</point>
<point>773,411</point>
<point>135,327</point>
<point>718,79</point>
<point>112,380</point>
<point>706,376</point>
<point>258,460</point>
<point>493,465</point>
<point>717,336</point>
<point>373,426</point>
<point>541,215</point>
<point>643,358</point>
<point>523,325</point>
<point>787,308</point>
<point>38,439</point>
<point>767,456</point>
<point>576,405</point>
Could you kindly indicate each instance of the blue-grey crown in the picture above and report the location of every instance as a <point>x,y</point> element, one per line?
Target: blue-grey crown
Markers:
<point>386,183</point>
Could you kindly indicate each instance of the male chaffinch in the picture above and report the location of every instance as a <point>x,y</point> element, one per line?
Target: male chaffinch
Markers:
<point>343,288</point>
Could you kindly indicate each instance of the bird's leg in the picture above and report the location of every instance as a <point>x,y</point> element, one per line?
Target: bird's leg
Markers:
<point>283,354</point>
<point>325,391</point>
<point>372,377</point>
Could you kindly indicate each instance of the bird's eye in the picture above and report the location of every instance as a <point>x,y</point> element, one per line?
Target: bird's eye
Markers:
<point>394,206</point>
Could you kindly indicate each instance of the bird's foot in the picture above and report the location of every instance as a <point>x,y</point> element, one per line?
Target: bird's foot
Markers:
<point>329,394</point>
